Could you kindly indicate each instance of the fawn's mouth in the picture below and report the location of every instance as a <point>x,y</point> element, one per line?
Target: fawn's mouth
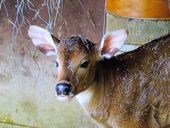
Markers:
<point>64,97</point>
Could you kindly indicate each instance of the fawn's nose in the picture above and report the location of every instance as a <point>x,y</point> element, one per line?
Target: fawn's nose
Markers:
<point>63,89</point>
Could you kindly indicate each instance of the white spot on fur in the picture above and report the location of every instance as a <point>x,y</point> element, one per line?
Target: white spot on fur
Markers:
<point>107,55</point>
<point>84,98</point>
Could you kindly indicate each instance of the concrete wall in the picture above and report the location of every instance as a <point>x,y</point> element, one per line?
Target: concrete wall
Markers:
<point>140,31</point>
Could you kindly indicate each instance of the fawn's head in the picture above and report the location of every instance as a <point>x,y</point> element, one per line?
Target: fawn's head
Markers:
<point>76,57</point>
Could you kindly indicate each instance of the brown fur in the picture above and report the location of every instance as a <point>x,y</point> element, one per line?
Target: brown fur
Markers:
<point>129,91</point>
<point>133,88</point>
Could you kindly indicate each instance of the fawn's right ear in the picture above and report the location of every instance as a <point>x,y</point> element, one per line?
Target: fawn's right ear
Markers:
<point>43,40</point>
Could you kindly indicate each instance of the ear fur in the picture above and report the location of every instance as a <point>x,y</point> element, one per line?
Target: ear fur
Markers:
<point>112,42</point>
<point>43,40</point>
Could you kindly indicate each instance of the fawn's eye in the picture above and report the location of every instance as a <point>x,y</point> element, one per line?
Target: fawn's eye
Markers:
<point>84,64</point>
<point>56,64</point>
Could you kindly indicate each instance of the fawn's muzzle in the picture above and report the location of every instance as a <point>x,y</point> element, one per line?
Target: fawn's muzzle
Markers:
<point>63,89</point>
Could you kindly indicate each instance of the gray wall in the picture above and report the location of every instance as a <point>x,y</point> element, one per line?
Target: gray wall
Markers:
<point>140,31</point>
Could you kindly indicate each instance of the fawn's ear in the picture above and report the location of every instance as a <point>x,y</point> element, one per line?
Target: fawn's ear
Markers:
<point>43,40</point>
<point>112,43</point>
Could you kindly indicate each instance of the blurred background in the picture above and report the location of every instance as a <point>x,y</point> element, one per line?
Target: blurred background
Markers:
<point>27,77</point>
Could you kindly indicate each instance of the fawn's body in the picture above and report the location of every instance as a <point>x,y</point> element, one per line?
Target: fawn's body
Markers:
<point>127,91</point>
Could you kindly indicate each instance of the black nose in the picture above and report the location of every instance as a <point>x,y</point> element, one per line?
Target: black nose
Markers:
<point>63,88</point>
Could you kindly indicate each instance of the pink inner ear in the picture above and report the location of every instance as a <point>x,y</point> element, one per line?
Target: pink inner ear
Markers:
<point>45,48</point>
<point>109,45</point>
<point>40,36</point>
<point>112,42</point>
<point>109,50</point>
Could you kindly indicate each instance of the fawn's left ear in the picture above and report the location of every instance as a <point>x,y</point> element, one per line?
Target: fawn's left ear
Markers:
<point>43,40</point>
<point>112,42</point>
